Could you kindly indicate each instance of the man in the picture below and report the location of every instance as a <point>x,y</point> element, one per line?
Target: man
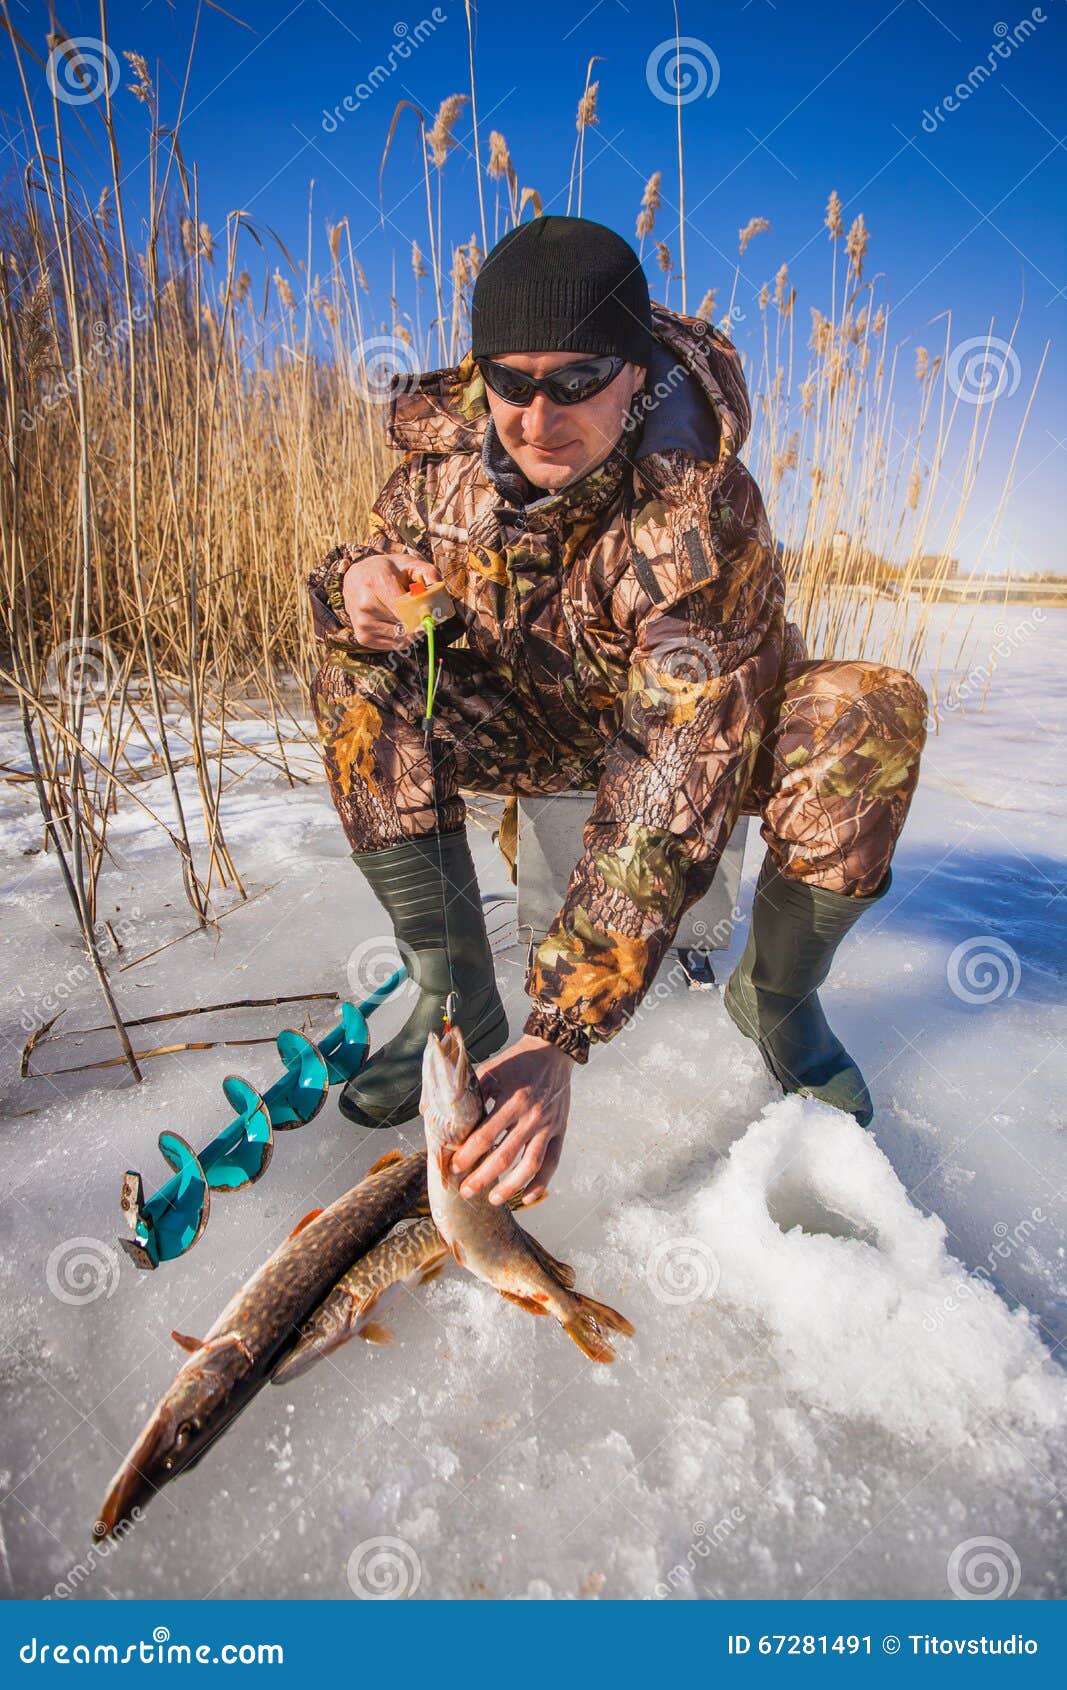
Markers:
<point>575,483</point>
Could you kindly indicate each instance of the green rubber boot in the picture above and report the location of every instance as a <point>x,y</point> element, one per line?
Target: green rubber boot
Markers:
<point>772,994</point>
<point>413,882</point>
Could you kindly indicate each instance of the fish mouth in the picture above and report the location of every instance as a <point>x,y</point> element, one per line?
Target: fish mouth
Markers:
<point>446,1071</point>
<point>142,1474</point>
<point>454,1052</point>
<point>201,1403</point>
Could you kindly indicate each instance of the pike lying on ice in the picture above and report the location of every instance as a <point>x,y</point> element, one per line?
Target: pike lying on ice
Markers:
<point>413,1252</point>
<point>485,1237</point>
<point>239,1354</point>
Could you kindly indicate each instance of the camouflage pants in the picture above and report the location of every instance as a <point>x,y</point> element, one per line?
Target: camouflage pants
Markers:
<point>832,780</point>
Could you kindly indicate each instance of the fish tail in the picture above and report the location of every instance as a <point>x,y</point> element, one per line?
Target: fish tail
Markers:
<point>587,1326</point>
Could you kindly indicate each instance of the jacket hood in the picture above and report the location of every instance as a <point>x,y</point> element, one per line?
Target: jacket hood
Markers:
<point>694,399</point>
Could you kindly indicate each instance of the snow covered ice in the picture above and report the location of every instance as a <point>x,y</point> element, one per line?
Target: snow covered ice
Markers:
<point>848,1360</point>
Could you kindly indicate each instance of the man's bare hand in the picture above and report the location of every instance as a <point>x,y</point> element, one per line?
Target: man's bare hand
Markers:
<point>531,1085</point>
<point>370,588</point>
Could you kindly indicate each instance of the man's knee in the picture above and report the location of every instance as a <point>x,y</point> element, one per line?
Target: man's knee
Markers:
<point>908,701</point>
<point>890,699</point>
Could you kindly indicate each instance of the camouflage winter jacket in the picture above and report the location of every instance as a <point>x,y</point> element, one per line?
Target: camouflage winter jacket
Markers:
<point>639,612</point>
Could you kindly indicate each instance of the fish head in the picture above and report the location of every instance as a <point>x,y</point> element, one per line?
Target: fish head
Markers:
<point>451,1102</point>
<point>203,1399</point>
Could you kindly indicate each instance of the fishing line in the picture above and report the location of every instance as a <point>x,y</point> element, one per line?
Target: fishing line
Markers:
<point>433,676</point>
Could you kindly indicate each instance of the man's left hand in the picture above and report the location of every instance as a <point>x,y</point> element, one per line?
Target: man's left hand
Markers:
<point>531,1085</point>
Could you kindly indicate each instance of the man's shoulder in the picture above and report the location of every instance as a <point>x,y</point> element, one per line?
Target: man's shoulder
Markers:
<point>440,412</point>
<point>692,521</point>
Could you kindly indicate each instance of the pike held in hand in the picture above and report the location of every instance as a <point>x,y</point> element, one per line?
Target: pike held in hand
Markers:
<point>485,1237</point>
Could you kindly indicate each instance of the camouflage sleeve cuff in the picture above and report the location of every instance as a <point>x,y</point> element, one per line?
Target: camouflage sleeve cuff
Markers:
<point>326,585</point>
<point>547,1022</point>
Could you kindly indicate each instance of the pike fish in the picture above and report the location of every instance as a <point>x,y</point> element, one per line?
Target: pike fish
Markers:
<point>227,1368</point>
<point>412,1252</point>
<point>485,1237</point>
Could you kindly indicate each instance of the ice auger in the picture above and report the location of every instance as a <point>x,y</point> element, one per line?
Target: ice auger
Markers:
<point>173,1218</point>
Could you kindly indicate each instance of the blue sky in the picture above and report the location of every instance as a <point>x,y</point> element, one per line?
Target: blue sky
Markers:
<point>965,210</point>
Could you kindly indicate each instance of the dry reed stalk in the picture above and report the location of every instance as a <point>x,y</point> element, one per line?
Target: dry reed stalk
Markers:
<point>474,122</point>
<point>586,118</point>
<point>500,168</point>
<point>651,200</point>
<point>681,160</point>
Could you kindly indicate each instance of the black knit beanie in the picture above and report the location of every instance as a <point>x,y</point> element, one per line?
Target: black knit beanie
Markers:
<point>562,284</point>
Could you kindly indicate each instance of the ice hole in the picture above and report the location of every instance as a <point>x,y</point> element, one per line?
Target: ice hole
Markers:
<point>792,1201</point>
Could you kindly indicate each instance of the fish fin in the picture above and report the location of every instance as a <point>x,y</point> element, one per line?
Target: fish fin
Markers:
<point>586,1328</point>
<point>526,1303</point>
<point>604,1315</point>
<point>559,1270</point>
<point>457,1252</point>
<point>519,1201</point>
<point>389,1160</point>
<point>444,1162</point>
<point>433,1269</point>
<point>312,1215</point>
<point>375,1333</point>
<point>187,1343</point>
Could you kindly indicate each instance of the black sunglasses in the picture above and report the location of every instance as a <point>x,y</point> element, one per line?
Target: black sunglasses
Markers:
<point>568,386</point>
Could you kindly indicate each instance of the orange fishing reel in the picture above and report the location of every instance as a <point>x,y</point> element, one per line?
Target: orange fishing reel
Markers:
<point>419,601</point>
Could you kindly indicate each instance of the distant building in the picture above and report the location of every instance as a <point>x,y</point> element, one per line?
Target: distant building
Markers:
<point>935,563</point>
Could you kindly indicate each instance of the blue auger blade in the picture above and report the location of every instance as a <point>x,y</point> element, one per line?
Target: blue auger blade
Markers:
<point>239,1154</point>
<point>380,993</point>
<point>345,1046</point>
<point>293,1100</point>
<point>173,1218</point>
